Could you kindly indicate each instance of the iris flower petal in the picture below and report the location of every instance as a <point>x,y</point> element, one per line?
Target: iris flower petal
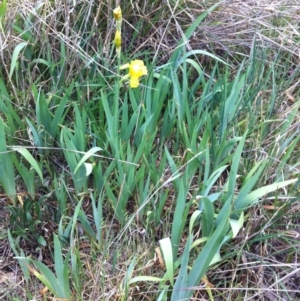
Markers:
<point>137,69</point>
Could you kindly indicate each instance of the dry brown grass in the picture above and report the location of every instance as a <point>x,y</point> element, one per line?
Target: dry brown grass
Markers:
<point>229,30</point>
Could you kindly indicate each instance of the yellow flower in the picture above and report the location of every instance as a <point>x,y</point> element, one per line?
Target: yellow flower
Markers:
<point>117,13</point>
<point>118,42</point>
<point>136,70</point>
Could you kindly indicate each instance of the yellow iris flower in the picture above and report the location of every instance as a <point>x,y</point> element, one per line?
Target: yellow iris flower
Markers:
<point>137,69</point>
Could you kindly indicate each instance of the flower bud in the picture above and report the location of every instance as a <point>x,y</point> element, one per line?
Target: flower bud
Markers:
<point>118,42</point>
<point>118,13</point>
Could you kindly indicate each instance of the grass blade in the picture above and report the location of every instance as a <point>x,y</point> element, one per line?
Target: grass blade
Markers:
<point>15,56</point>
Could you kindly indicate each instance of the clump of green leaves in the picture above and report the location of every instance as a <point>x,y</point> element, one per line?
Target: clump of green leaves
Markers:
<point>183,156</point>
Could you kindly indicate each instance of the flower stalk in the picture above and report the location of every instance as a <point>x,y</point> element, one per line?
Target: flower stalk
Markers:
<point>136,68</point>
<point>118,40</point>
